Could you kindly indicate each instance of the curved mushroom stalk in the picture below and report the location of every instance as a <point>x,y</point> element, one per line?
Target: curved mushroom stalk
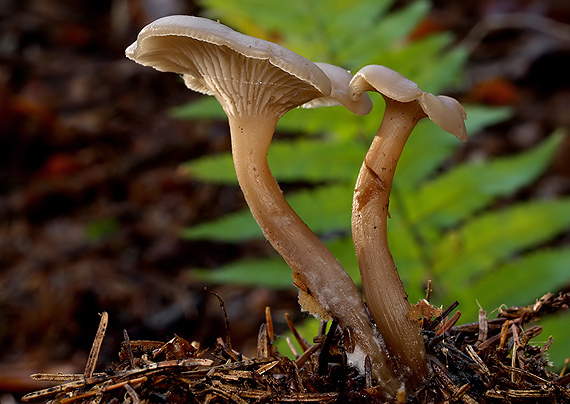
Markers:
<point>256,82</point>
<point>387,301</point>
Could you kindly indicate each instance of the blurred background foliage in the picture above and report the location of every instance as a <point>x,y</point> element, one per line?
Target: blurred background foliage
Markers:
<point>449,222</point>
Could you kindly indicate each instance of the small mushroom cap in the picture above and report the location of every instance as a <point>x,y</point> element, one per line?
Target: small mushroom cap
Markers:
<point>385,81</point>
<point>243,72</point>
<point>446,112</point>
<point>340,94</point>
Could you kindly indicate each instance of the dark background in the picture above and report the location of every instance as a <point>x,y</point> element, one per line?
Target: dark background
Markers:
<point>92,202</point>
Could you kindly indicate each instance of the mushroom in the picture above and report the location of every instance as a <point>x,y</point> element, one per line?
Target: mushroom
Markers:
<point>340,94</point>
<point>385,297</point>
<point>256,82</point>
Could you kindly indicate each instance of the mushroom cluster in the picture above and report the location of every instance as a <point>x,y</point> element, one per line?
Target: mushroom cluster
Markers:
<point>256,82</point>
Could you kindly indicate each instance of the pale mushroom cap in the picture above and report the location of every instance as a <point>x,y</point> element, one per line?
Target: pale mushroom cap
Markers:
<point>340,94</point>
<point>385,81</point>
<point>446,112</point>
<point>246,74</point>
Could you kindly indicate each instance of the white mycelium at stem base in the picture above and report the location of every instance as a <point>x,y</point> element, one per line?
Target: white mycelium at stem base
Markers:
<point>385,296</point>
<point>256,82</point>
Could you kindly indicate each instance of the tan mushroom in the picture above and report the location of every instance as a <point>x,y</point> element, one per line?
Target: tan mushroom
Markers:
<point>387,301</point>
<point>340,92</point>
<point>256,82</point>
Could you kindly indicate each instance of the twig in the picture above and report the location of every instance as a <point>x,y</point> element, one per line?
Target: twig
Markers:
<point>292,347</point>
<point>269,322</point>
<point>449,324</point>
<point>262,342</point>
<point>302,341</point>
<point>227,321</point>
<point>473,355</point>
<point>325,351</point>
<point>61,377</point>
<point>129,348</point>
<point>483,325</point>
<point>368,372</point>
<point>435,322</point>
<point>96,347</point>
<point>307,354</point>
<point>132,394</point>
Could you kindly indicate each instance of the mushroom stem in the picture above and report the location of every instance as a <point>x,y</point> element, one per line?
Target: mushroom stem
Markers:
<point>385,296</point>
<point>317,273</point>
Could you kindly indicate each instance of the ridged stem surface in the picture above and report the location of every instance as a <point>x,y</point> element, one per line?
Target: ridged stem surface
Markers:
<point>315,270</point>
<point>385,295</point>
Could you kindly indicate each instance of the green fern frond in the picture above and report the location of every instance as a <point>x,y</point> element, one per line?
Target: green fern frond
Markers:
<point>429,146</point>
<point>329,159</point>
<point>488,239</point>
<point>520,281</point>
<point>307,160</point>
<point>389,32</point>
<point>269,272</point>
<point>273,272</point>
<point>324,209</point>
<point>458,193</point>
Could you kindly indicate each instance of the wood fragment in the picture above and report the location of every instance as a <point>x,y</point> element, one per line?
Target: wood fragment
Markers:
<point>132,373</point>
<point>504,334</point>
<point>523,372</point>
<point>483,326</point>
<point>300,340</point>
<point>269,322</point>
<point>367,373</point>
<point>518,394</point>
<point>135,399</point>
<point>547,344</point>
<point>267,367</point>
<point>529,334</point>
<point>455,392</point>
<point>101,389</point>
<point>494,339</point>
<point>435,322</point>
<point>308,398</point>
<point>459,394</point>
<point>324,354</point>
<point>292,347</point>
<point>234,374</point>
<point>449,324</point>
<point>129,349</point>
<point>307,354</point>
<point>428,290</point>
<point>60,377</point>
<point>263,350</point>
<point>473,355</point>
<point>234,355</point>
<point>96,347</point>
